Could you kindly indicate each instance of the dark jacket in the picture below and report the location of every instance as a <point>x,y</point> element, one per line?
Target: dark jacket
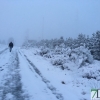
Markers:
<point>11,45</point>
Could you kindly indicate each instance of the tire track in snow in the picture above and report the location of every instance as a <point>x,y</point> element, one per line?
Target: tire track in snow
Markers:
<point>47,82</point>
<point>3,51</point>
<point>11,87</point>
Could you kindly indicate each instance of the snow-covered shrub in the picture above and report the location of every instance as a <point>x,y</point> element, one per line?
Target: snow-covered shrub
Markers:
<point>49,54</point>
<point>67,58</point>
<point>80,56</point>
<point>70,57</point>
<point>89,75</point>
<point>69,65</point>
<point>58,50</point>
<point>44,51</point>
<point>58,61</point>
<point>66,66</point>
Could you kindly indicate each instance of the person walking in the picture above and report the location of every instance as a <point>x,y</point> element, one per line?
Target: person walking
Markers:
<point>10,46</point>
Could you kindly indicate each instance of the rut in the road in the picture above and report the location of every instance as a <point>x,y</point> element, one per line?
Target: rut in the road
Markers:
<point>11,87</point>
<point>3,51</point>
<point>51,87</point>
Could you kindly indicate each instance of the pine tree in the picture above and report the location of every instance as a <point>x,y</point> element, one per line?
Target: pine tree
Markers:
<point>95,45</point>
<point>69,42</point>
<point>81,40</point>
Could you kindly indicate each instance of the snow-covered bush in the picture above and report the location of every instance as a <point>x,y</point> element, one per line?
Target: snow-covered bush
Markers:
<point>80,56</point>
<point>47,55</point>
<point>58,61</point>
<point>89,75</point>
<point>58,50</point>
<point>66,66</point>
<point>44,51</point>
<point>67,58</point>
<point>91,71</point>
<point>62,51</point>
<point>92,74</point>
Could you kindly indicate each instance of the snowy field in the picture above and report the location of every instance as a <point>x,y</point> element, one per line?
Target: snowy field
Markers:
<point>25,75</point>
<point>2,48</point>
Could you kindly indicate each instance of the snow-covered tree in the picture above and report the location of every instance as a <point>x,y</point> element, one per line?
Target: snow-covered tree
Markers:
<point>55,43</point>
<point>81,40</point>
<point>95,45</point>
<point>87,42</point>
<point>69,42</point>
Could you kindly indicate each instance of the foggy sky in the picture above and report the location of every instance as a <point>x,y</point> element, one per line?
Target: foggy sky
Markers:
<point>41,19</point>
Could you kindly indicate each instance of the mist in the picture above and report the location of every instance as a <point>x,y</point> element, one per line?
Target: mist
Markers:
<point>46,19</point>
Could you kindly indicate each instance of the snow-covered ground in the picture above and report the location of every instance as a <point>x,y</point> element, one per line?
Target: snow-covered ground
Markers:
<point>70,83</point>
<point>3,48</point>
<point>27,76</point>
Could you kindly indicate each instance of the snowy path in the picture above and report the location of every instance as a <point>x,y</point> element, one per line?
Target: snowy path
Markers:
<point>37,86</point>
<point>20,80</point>
<point>3,51</point>
<point>11,86</point>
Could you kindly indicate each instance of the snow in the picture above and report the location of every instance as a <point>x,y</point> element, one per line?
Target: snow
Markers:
<point>56,76</point>
<point>33,83</point>
<point>26,75</point>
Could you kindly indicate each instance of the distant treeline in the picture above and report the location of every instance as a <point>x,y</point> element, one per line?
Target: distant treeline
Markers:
<point>92,43</point>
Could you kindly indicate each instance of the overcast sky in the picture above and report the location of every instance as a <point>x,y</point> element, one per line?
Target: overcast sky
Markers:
<point>38,19</point>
